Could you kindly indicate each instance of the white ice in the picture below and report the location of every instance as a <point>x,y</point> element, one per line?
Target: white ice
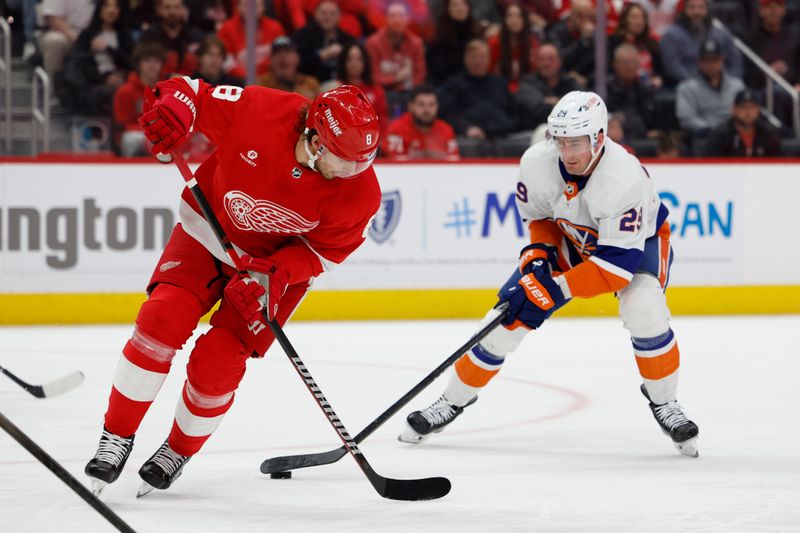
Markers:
<point>562,440</point>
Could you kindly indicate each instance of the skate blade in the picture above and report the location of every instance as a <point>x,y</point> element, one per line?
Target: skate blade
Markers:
<point>410,436</point>
<point>145,489</point>
<point>688,447</point>
<point>98,487</point>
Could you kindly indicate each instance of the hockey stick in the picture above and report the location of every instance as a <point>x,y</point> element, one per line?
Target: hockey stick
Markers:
<point>292,462</point>
<point>393,489</point>
<point>48,390</point>
<point>63,475</point>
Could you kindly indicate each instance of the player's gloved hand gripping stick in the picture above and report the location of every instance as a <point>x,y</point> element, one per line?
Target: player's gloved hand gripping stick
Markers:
<point>260,291</point>
<point>394,489</point>
<point>167,118</point>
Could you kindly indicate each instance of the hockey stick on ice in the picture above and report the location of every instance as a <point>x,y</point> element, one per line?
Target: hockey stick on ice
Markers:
<point>63,475</point>
<point>48,390</point>
<point>393,489</point>
<point>292,462</point>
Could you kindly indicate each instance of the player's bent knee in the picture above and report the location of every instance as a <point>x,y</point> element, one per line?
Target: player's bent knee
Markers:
<point>643,307</point>
<point>217,363</point>
<point>169,315</point>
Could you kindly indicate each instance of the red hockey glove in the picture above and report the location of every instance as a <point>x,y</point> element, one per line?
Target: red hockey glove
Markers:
<point>263,289</point>
<point>168,116</point>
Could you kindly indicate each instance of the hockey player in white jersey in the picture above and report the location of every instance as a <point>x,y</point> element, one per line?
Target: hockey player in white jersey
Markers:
<point>596,226</point>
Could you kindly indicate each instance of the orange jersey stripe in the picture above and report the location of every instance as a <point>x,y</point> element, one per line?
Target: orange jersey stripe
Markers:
<point>661,366</point>
<point>545,232</point>
<point>663,253</point>
<point>471,374</point>
<point>588,279</point>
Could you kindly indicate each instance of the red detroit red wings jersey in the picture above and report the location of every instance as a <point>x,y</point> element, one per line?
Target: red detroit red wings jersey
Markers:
<point>406,141</point>
<point>267,203</point>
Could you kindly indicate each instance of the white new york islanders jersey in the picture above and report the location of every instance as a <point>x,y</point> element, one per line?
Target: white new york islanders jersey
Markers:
<point>605,217</point>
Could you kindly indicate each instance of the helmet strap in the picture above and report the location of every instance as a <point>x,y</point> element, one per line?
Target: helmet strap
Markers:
<point>592,161</point>
<point>312,157</point>
<point>595,155</point>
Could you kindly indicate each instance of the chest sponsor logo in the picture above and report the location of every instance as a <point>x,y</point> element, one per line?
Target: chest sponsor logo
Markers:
<point>387,217</point>
<point>263,216</point>
<point>584,239</point>
<point>249,158</point>
<point>296,173</point>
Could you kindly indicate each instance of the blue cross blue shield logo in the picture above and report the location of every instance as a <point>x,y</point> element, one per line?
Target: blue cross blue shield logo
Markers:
<point>387,217</point>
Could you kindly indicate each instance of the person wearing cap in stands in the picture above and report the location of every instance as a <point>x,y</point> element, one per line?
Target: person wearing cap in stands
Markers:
<point>746,133</point>
<point>704,101</point>
<point>284,73</point>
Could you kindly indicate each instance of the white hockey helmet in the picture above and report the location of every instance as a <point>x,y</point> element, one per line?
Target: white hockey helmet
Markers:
<point>580,113</point>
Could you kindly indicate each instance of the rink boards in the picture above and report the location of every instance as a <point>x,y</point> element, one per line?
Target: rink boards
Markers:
<point>78,241</point>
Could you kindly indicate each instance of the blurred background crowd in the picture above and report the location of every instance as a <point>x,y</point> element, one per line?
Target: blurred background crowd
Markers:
<point>449,79</point>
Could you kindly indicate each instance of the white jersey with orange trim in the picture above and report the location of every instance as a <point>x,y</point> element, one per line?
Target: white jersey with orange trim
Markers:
<point>605,217</point>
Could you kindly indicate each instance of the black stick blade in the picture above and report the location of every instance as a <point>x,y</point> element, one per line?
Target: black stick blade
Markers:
<point>293,462</point>
<point>431,488</point>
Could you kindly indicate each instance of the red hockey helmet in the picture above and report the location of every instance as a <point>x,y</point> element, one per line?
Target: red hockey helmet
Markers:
<point>348,129</point>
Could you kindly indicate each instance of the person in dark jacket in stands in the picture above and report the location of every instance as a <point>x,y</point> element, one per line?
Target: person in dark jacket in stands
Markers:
<point>775,42</point>
<point>98,63</point>
<point>681,44</point>
<point>746,133</point>
<point>627,93</point>
<point>477,104</point>
<point>539,91</point>
<point>176,36</point>
<point>321,41</point>
<point>455,27</point>
<point>778,44</point>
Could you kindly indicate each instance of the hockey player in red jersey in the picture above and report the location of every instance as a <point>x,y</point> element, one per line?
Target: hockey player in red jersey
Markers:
<point>597,226</point>
<point>292,185</point>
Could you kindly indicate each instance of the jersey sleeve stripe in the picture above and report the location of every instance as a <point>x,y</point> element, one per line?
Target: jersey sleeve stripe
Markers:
<point>545,231</point>
<point>620,261</point>
<point>663,213</point>
<point>327,265</point>
<point>198,228</point>
<point>612,268</point>
<point>589,279</point>
<point>194,84</point>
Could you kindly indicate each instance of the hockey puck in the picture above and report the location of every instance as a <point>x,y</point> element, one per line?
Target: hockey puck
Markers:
<point>281,475</point>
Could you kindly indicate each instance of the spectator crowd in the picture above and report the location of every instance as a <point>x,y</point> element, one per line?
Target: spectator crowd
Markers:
<point>448,78</point>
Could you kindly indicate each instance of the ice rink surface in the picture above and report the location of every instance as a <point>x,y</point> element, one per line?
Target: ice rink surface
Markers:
<point>561,440</point>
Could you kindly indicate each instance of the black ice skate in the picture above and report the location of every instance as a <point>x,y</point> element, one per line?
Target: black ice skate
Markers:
<point>433,419</point>
<point>107,464</point>
<point>161,470</point>
<point>676,425</point>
